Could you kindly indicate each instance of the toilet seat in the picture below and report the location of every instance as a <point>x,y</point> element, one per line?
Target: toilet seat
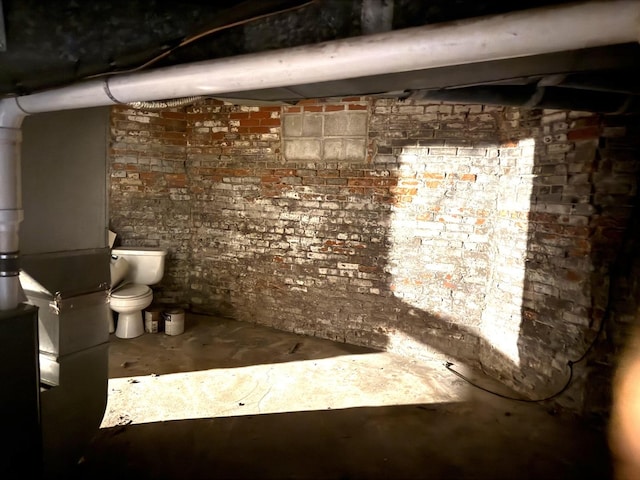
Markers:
<point>129,301</point>
<point>131,292</point>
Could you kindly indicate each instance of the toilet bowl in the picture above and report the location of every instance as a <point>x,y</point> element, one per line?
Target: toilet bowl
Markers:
<point>133,270</point>
<point>129,301</point>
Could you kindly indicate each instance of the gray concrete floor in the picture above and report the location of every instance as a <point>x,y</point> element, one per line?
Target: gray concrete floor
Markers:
<point>228,399</point>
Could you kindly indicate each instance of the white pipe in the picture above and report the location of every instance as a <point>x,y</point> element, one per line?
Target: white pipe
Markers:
<point>10,216</point>
<point>512,35</point>
<point>516,34</point>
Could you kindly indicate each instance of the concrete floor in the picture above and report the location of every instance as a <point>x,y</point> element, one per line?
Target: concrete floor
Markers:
<point>228,399</point>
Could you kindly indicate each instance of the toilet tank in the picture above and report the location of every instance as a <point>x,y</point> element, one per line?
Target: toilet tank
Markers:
<point>146,265</point>
<point>118,267</point>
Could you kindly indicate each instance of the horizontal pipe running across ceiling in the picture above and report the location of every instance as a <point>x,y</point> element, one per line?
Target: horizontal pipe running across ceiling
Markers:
<point>516,34</point>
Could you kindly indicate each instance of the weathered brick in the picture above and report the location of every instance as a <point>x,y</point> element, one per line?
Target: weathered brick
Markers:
<point>389,217</point>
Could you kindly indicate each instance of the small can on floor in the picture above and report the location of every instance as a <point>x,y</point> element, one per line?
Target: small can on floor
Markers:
<point>153,320</point>
<point>174,321</point>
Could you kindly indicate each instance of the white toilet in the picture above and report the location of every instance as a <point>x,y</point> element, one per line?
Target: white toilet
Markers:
<point>133,269</point>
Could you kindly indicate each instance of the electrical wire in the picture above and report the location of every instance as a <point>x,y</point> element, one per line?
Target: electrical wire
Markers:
<point>570,364</point>
<point>198,36</point>
<point>448,366</point>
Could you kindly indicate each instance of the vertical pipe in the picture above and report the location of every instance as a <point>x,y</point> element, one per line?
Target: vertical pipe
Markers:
<point>376,16</point>
<point>11,215</point>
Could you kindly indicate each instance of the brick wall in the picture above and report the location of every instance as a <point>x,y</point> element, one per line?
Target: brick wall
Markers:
<point>459,231</point>
<point>616,222</point>
<point>150,202</point>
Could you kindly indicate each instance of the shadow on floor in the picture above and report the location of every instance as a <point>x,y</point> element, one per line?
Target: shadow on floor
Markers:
<point>480,437</point>
<point>466,440</point>
<point>214,342</point>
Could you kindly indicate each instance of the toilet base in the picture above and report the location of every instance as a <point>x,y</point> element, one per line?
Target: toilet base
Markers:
<point>111,324</point>
<point>130,325</point>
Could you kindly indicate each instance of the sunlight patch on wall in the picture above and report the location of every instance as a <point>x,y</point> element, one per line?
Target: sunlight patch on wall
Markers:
<point>458,237</point>
<point>502,314</point>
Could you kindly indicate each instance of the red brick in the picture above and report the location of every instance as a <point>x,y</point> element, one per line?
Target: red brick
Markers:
<point>584,133</point>
<point>176,180</point>
<point>574,276</point>
<point>308,101</point>
<point>404,191</point>
<point>431,175</point>
<point>408,182</point>
<point>270,179</point>
<point>384,182</point>
<point>261,114</point>
<point>260,130</point>
<point>198,117</point>
<point>449,285</point>
<point>174,115</point>
<point>329,173</point>
<point>359,182</point>
<point>378,190</point>
<point>285,172</point>
<point>232,172</point>
<point>270,122</point>
<point>150,176</point>
<point>368,269</point>
<point>250,122</point>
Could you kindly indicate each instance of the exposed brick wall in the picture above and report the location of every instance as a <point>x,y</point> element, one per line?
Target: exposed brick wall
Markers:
<point>616,222</point>
<point>149,196</point>
<point>463,231</point>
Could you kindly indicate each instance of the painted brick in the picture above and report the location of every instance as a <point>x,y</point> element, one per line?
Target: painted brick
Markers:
<point>483,233</point>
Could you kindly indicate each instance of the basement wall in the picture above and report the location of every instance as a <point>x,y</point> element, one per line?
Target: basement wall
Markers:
<point>468,233</point>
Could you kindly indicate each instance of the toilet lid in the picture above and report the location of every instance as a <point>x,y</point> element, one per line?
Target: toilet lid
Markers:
<point>131,291</point>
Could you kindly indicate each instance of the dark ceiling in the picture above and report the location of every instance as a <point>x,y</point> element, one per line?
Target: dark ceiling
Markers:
<point>54,43</point>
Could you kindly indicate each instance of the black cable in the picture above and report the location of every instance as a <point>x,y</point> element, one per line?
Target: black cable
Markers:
<point>570,363</point>
<point>560,392</point>
<point>616,268</point>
